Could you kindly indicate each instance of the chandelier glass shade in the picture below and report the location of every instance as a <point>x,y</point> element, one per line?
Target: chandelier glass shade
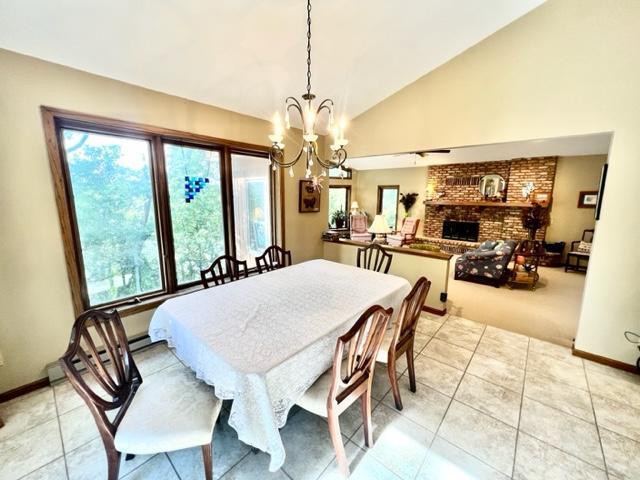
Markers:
<point>309,115</point>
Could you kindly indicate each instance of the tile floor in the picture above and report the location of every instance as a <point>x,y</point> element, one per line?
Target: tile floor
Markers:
<point>490,404</point>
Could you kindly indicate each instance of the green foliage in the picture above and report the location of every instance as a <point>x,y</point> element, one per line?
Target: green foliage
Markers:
<point>408,200</point>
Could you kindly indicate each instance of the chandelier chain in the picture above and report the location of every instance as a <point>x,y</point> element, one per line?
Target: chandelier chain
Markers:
<point>309,47</point>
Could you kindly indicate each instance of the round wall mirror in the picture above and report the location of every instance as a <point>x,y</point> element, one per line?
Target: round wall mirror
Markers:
<point>491,185</point>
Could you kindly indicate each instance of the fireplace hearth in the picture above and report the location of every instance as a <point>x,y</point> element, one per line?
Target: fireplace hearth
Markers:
<point>460,230</point>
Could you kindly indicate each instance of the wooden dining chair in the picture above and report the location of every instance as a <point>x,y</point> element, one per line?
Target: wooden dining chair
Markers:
<point>274,257</point>
<point>374,257</point>
<point>171,411</point>
<point>224,268</point>
<point>350,378</point>
<point>400,342</point>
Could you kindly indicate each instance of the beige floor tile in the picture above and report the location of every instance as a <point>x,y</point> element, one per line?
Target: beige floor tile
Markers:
<point>380,385</point>
<point>470,325</point>
<point>426,406</point>
<point>427,326</point>
<point>78,428</point>
<point>362,465</point>
<point>615,372</point>
<point>55,470</point>
<point>544,365</point>
<point>433,317</point>
<point>448,353</point>
<point>154,359</point>
<point>502,351</point>
<point>26,452</point>
<point>559,395</point>
<point>227,451</point>
<point>484,437</point>
<point>89,462</point>
<point>307,445</point>
<point>536,460</point>
<point>458,336</point>
<point>497,372</point>
<point>614,387</point>
<point>420,341</point>
<point>26,412</point>
<point>556,351</point>
<point>158,468</point>
<point>621,454</point>
<point>437,375</point>
<point>446,461</point>
<point>514,340</point>
<point>67,398</point>
<point>252,466</point>
<point>561,430</point>
<point>501,403</point>
<point>617,417</point>
<point>399,444</point>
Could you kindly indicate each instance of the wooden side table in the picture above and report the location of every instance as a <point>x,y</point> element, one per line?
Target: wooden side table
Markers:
<point>526,261</point>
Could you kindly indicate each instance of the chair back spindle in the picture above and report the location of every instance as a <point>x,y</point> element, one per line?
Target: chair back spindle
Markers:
<point>405,325</point>
<point>224,269</point>
<point>274,257</point>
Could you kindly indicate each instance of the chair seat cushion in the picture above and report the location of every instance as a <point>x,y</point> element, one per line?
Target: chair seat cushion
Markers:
<point>314,399</point>
<point>383,353</point>
<point>170,411</point>
<point>581,254</point>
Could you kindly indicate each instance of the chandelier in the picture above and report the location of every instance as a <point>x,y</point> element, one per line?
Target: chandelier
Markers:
<point>309,114</point>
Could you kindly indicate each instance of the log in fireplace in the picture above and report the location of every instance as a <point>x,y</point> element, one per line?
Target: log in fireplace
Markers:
<point>461,230</point>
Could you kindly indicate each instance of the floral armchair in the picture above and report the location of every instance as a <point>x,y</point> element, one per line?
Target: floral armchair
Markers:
<point>487,264</point>
<point>407,233</point>
<point>359,232</point>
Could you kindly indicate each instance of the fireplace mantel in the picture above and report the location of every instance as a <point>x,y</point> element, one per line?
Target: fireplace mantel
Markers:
<point>440,203</point>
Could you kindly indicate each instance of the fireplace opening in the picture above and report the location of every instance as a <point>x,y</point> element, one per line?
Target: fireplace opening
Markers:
<point>461,230</point>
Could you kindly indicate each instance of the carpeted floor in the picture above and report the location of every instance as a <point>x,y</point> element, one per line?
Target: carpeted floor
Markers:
<point>550,312</point>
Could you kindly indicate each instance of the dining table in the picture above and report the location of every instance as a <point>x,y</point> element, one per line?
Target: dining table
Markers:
<point>262,341</point>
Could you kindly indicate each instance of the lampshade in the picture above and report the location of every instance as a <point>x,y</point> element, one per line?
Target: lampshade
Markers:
<point>379,225</point>
<point>354,205</point>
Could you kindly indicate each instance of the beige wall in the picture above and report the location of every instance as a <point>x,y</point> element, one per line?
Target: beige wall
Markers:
<point>411,180</point>
<point>573,175</point>
<point>569,67</point>
<point>35,301</point>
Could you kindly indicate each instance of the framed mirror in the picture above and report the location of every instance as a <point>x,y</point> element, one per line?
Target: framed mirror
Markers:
<point>491,185</point>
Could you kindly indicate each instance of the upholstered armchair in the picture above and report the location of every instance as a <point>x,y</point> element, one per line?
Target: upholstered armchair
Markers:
<point>407,233</point>
<point>487,264</point>
<point>358,230</point>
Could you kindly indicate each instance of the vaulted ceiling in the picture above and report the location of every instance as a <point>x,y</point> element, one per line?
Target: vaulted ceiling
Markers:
<point>248,55</point>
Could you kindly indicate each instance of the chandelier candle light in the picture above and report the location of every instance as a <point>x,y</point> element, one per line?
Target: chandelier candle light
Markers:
<point>308,115</point>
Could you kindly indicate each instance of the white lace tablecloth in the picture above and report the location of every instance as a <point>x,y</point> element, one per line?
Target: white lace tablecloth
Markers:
<point>263,340</point>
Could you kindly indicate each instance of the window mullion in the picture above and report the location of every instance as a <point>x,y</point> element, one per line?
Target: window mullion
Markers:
<point>227,202</point>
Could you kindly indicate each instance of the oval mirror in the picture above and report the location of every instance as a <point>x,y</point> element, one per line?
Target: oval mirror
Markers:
<point>491,185</point>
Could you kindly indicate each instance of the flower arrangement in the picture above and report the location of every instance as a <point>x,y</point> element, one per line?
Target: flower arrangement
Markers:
<point>408,200</point>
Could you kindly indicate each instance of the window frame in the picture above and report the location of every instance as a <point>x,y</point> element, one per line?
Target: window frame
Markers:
<point>381,189</point>
<point>347,206</point>
<point>55,120</point>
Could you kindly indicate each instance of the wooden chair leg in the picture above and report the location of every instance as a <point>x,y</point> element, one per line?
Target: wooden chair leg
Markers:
<point>412,370</point>
<point>393,380</point>
<point>207,458</point>
<point>336,440</point>
<point>113,464</point>
<point>365,406</point>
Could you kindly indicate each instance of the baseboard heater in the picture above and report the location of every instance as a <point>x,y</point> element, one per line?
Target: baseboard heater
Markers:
<point>56,374</point>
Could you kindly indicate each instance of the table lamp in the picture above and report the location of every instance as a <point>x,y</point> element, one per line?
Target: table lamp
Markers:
<point>380,227</point>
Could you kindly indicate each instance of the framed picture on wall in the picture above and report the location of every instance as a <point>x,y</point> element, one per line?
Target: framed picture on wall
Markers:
<point>588,199</point>
<point>309,198</point>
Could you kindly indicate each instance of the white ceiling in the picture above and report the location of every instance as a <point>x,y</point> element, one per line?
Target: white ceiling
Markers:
<point>577,145</point>
<point>248,55</point>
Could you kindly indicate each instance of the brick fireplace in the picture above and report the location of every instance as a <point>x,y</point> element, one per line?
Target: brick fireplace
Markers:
<point>458,182</point>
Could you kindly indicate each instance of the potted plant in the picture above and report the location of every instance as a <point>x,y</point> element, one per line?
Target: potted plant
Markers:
<point>408,200</point>
<point>533,219</point>
<point>339,218</point>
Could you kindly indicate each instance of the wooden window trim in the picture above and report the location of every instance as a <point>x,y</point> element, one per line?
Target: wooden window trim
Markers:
<point>54,119</point>
<point>379,205</point>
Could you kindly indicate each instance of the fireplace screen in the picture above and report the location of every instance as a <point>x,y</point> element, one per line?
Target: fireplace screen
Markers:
<point>460,230</point>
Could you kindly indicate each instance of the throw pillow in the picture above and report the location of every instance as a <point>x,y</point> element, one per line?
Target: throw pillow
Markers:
<point>584,247</point>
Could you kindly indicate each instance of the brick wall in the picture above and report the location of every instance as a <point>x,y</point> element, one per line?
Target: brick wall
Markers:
<point>495,223</point>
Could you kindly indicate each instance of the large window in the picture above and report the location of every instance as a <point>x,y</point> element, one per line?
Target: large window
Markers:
<point>339,201</point>
<point>388,196</point>
<point>144,209</point>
